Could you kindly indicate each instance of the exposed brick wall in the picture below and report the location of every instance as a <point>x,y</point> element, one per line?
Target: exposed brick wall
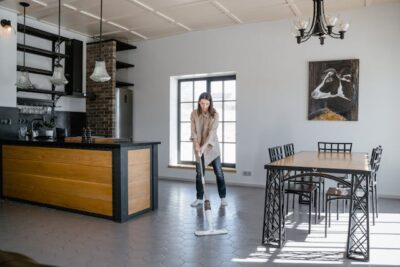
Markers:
<point>100,111</point>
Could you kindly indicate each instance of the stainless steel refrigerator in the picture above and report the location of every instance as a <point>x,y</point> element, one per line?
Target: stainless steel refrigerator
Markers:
<point>123,113</point>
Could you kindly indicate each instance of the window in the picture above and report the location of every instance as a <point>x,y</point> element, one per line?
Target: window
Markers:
<point>223,92</point>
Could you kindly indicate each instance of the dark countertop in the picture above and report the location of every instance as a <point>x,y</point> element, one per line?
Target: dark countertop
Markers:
<point>62,144</point>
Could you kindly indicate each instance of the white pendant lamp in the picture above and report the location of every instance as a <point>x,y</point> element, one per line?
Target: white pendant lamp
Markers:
<point>58,77</point>
<point>23,78</point>
<point>100,72</point>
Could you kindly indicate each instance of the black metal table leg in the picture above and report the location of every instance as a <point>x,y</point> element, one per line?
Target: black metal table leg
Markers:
<point>274,234</point>
<point>358,231</point>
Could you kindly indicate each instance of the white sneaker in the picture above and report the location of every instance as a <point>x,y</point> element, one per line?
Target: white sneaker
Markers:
<point>224,202</point>
<point>196,203</point>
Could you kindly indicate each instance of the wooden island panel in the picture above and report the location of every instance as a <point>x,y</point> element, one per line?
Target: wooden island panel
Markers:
<point>139,180</point>
<point>78,179</point>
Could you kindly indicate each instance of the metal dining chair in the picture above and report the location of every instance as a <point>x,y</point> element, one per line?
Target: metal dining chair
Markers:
<point>309,190</point>
<point>344,193</point>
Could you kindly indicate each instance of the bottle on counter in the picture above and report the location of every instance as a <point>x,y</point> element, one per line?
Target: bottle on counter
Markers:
<point>84,134</point>
<point>88,135</point>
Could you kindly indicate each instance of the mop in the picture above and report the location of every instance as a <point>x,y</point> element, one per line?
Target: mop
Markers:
<point>207,210</point>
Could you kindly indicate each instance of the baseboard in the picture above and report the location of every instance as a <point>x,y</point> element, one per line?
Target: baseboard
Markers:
<point>389,196</point>
<point>192,180</point>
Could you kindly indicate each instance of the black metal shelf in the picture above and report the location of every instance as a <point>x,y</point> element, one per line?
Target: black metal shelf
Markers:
<point>35,102</point>
<point>41,91</point>
<point>38,51</point>
<point>120,46</point>
<point>39,33</point>
<point>123,84</point>
<point>123,65</point>
<point>35,70</point>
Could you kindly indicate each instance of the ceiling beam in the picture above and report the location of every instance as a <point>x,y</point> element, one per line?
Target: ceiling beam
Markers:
<point>293,7</point>
<point>226,11</point>
<point>158,13</point>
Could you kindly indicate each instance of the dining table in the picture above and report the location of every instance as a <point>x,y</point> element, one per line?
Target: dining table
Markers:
<point>327,165</point>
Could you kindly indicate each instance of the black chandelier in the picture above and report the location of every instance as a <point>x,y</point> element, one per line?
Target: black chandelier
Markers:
<point>321,25</point>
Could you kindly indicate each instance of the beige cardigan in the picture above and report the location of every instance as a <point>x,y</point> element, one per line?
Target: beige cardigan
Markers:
<point>204,132</point>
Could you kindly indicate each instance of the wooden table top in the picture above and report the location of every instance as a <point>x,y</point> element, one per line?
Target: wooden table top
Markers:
<point>340,162</point>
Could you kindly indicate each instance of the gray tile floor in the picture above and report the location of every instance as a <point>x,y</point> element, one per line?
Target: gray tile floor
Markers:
<point>165,237</point>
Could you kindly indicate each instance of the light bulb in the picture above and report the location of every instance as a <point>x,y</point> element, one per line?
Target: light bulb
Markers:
<point>331,20</point>
<point>23,81</point>
<point>301,23</point>
<point>58,77</point>
<point>100,72</point>
<point>295,31</point>
<point>344,26</point>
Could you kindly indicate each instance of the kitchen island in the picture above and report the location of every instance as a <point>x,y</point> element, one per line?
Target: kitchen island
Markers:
<point>114,180</point>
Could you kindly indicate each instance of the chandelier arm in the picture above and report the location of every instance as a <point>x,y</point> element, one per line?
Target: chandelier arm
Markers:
<point>308,34</point>
<point>325,28</point>
<point>322,19</point>
<point>305,38</point>
<point>336,36</point>
<point>324,22</point>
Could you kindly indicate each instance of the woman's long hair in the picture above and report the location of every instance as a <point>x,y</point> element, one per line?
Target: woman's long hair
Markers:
<point>211,108</point>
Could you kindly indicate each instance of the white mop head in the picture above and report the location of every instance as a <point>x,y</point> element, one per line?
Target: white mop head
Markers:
<point>211,232</point>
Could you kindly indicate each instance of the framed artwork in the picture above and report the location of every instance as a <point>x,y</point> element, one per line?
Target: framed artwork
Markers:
<point>333,90</point>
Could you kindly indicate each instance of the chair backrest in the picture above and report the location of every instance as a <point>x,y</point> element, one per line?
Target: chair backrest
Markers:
<point>289,149</point>
<point>376,158</point>
<point>275,153</point>
<point>334,147</point>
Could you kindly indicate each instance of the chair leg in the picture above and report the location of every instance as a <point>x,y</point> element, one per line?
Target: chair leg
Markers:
<point>326,218</point>
<point>329,213</point>
<point>323,190</point>
<point>372,200</point>
<point>316,206</point>
<point>287,203</point>
<point>376,199</point>
<point>309,213</point>
<point>319,197</point>
<point>294,195</point>
<point>337,209</point>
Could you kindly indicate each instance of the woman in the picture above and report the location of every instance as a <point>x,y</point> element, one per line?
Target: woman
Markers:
<point>204,123</point>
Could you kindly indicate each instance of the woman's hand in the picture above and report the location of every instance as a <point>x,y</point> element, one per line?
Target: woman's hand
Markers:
<point>197,148</point>
<point>202,149</point>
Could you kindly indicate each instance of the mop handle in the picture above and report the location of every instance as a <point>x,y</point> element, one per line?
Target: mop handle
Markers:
<point>207,204</point>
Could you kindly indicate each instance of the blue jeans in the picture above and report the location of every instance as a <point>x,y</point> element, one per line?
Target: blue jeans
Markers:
<point>216,164</point>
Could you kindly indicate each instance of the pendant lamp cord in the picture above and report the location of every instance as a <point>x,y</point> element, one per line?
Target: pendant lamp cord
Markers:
<point>101,27</point>
<point>24,35</point>
<point>59,32</point>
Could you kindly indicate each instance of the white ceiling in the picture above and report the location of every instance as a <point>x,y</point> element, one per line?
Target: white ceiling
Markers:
<point>135,20</point>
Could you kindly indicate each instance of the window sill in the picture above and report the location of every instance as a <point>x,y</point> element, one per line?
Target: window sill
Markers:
<point>192,167</point>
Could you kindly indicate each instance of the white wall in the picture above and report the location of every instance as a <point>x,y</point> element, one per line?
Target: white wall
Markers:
<point>10,57</point>
<point>272,85</point>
